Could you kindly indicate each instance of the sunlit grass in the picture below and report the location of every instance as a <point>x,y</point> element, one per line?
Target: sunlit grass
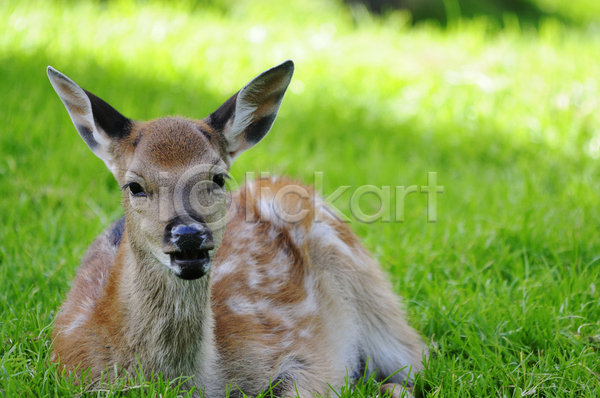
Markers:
<point>503,286</point>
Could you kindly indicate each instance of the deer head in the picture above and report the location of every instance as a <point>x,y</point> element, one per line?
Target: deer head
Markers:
<point>173,171</point>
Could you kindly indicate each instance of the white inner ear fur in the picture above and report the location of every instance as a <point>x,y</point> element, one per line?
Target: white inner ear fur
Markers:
<point>244,109</point>
<point>244,115</point>
<point>79,107</point>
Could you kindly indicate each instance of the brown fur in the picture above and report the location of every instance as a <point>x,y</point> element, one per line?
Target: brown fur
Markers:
<point>297,303</point>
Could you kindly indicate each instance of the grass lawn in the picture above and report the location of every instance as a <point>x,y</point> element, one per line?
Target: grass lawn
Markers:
<point>505,287</point>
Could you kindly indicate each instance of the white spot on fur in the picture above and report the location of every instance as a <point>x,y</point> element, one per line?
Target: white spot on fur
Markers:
<point>223,269</point>
<point>279,267</point>
<point>287,340</point>
<point>276,273</point>
<point>266,209</point>
<point>298,234</point>
<point>326,235</point>
<point>255,278</point>
<point>310,305</point>
<point>305,334</point>
<point>87,304</point>
<point>79,320</point>
<point>241,306</point>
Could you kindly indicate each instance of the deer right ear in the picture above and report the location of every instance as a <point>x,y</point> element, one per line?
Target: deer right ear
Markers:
<point>246,117</point>
<point>98,123</point>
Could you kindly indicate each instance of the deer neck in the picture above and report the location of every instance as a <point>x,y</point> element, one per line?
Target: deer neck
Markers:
<point>167,322</point>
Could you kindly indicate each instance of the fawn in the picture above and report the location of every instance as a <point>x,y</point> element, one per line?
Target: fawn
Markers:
<point>216,286</point>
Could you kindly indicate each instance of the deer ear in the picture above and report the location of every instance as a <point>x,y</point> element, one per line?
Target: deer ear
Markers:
<point>247,117</point>
<point>98,123</point>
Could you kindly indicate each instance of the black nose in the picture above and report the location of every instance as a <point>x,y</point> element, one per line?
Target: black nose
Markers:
<point>190,238</point>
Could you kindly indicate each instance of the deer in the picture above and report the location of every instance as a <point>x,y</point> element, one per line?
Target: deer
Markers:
<point>214,285</point>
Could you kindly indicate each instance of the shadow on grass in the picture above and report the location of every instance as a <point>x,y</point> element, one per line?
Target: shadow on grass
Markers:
<point>445,12</point>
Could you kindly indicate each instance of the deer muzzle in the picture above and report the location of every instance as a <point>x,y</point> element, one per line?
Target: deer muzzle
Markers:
<point>189,250</point>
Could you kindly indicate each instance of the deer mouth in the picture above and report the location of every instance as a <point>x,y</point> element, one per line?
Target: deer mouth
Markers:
<point>190,265</point>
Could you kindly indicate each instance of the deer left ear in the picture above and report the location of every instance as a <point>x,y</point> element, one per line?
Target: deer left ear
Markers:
<point>98,123</point>
<point>246,117</point>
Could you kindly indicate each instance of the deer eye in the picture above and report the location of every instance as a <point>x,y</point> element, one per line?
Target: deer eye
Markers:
<point>136,189</point>
<point>219,179</point>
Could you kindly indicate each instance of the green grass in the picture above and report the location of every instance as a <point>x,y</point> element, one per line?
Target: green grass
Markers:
<point>505,287</point>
